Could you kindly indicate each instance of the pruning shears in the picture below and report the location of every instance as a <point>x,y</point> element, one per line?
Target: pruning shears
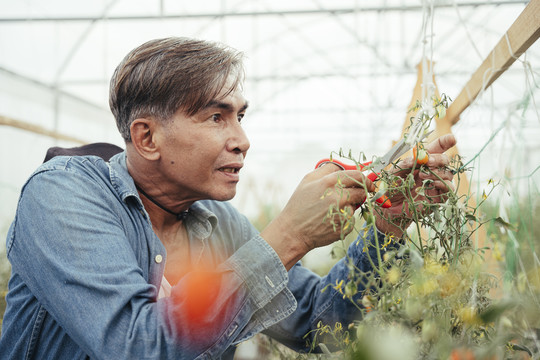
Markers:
<point>376,166</point>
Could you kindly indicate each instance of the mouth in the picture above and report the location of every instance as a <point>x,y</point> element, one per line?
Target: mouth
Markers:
<point>230,170</point>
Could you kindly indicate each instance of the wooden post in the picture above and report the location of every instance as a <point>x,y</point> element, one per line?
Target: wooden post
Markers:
<point>443,127</point>
<point>38,130</point>
<point>519,37</point>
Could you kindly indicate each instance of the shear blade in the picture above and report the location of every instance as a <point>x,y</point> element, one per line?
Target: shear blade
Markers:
<point>394,153</point>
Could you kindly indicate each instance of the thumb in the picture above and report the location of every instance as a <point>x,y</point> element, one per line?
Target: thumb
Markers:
<point>441,144</point>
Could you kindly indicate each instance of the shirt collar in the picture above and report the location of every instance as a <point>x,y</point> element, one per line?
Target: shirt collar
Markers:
<point>120,178</point>
<point>201,219</point>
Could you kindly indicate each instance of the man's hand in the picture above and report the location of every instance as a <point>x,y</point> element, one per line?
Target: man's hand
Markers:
<point>312,217</point>
<point>441,184</point>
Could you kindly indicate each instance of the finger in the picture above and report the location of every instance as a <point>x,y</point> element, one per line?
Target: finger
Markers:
<point>441,144</point>
<point>436,173</point>
<point>436,196</point>
<point>440,191</point>
<point>346,219</point>
<point>328,168</point>
<point>435,162</point>
<point>354,179</point>
<point>443,186</point>
<point>349,197</point>
<point>353,197</point>
<point>438,160</point>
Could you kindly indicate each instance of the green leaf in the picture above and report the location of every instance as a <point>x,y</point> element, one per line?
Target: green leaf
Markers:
<point>502,223</point>
<point>520,348</point>
<point>494,311</point>
<point>437,214</point>
<point>324,349</point>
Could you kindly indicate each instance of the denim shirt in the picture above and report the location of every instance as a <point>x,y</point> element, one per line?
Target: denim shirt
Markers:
<point>87,266</point>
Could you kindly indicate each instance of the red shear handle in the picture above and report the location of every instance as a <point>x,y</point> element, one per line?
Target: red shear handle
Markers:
<point>371,176</point>
<point>382,200</point>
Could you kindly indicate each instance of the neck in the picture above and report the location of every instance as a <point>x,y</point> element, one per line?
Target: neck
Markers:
<point>179,215</point>
<point>137,165</point>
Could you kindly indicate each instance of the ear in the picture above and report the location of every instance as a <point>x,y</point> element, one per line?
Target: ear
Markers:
<point>143,138</point>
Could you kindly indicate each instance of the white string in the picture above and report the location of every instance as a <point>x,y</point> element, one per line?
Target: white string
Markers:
<point>509,46</point>
<point>418,127</point>
<point>473,44</point>
<point>530,74</point>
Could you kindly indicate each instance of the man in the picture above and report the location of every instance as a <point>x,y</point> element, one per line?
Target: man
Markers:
<point>142,257</point>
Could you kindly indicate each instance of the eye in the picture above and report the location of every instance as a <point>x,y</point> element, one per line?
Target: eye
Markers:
<point>240,117</point>
<point>216,117</point>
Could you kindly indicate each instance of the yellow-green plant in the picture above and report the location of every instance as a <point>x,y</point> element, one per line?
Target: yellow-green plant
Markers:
<point>428,296</point>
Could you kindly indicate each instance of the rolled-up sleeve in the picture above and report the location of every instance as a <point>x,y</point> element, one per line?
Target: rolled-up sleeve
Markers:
<point>329,306</point>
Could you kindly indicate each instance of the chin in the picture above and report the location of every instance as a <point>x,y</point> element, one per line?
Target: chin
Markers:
<point>224,197</point>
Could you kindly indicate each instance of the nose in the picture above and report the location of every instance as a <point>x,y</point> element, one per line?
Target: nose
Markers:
<point>238,141</point>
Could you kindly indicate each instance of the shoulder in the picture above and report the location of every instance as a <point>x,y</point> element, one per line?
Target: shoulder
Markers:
<point>90,163</point>
<point>67,193</point>
<point>67,169</point>
<point>80,178</point>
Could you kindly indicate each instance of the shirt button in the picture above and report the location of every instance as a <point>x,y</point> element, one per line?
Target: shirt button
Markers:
<point>158,258</point>
<point>269,281</point>
<point>231,331</point>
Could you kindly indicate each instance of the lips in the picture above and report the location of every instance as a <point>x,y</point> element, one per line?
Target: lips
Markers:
<point>230,170</point>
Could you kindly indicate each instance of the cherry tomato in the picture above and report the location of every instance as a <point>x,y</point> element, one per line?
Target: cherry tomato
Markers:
<point>420,155</point>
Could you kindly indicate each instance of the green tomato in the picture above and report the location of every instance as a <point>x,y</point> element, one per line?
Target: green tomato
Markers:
<point>368,217</point>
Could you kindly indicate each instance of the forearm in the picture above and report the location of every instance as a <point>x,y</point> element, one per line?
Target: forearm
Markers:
<point>289,249</point>
<point>318,213</point>
<point>329,306</point>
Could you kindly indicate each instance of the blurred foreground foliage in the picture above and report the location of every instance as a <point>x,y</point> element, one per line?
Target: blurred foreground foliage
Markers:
<point>462,283</point>
<point>437,295</point>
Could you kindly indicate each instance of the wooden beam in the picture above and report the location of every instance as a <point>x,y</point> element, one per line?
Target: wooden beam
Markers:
<point>519,37</point>
<point>38,130</point>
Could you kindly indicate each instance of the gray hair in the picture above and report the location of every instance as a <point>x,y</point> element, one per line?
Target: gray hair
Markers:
<point>162,76</point>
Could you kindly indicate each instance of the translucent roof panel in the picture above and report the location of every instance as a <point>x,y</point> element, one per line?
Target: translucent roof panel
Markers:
<point>321,75</point>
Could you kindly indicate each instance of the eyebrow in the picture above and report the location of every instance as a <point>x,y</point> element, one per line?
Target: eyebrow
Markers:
<point>225,106</point>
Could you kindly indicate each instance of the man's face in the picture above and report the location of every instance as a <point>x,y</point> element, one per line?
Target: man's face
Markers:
<point>202,154</point>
